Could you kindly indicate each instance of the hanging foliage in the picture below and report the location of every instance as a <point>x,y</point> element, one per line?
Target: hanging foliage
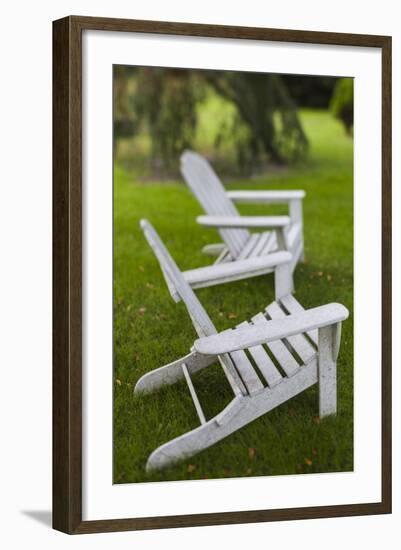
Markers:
<point>265,107</point>
<point>342,103</point>
<point>123,115</point>
<point>164,103</point>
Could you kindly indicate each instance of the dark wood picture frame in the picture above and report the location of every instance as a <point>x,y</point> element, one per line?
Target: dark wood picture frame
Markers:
<point>67,274</point>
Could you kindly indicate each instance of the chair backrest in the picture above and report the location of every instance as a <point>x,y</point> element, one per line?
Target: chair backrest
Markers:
<point>176,283</point>
<point>210,192</point>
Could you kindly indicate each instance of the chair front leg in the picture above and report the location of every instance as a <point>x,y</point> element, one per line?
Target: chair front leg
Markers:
<point>283,281</point>
<point>296,216</point>
<point>329,345</point>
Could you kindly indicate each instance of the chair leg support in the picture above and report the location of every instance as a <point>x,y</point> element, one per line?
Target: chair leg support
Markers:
<point>296,216</point>
<point>171,373</point>
<point>302,255</point>
<point>327,367</point>
<point>283,281</point>
<point>196,440</point>
<point>238,413</point>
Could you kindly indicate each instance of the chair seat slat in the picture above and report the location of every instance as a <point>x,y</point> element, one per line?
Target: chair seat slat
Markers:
<point>298,342</point>
<point>232,375</point>
<point>251,242</point>
<point>247,372</point>
<point>263,362</point>
<point>280,352</point>
<point>270,245</point>
<point>263,239</point>
<point>292,305</point>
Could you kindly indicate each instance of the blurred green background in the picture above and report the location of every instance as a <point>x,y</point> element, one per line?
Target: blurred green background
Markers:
<point>246,123</point>
<point>259,132</point>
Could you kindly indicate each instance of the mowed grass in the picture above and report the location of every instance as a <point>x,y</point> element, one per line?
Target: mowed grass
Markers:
<point>151,330</point>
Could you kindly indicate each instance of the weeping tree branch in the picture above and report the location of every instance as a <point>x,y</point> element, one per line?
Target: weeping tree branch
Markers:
<point>258,99</point>
<point>163,102</point>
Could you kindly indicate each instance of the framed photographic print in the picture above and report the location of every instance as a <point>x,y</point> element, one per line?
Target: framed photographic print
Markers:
<point>222,274</point>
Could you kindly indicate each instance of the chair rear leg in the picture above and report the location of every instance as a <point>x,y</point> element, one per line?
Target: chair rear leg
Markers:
<point>171,373</point>
<point>197,440</point>
<point>238,413</point>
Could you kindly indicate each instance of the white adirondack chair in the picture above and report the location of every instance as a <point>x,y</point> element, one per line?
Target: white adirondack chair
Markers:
<point>273,357</point>
<point>273,232</point>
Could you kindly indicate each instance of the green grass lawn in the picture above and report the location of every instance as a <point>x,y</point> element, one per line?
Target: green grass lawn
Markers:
<point>150,330</point>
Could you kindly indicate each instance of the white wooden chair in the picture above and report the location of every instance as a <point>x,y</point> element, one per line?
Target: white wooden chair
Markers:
<point>279,353</point>
<point>273,232</point>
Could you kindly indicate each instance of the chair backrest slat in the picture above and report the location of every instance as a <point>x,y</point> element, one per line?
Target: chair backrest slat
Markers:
<point>177,285</point>
<point>211,194</point>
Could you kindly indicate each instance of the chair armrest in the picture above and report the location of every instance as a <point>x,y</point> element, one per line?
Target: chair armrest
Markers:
<point>255,222</point>
<point>235,271</point>
<point>265,196</point>
<point>276,329</point>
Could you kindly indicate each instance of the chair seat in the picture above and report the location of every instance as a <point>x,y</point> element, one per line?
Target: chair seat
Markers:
<point>267,365</point>
<point>261,244</point>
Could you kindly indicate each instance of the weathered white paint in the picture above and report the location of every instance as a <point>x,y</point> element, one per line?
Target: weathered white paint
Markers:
<point>192,391</point>
<point>283,280</point>
<point>263,361</point>
<point>171,373</point>
<point>278,349</point>
<point>276,329</point>
<point>295,207</point>
<point>212,196</point>
<point>255,378</point>
<point>299,343</point>
<point>250,222</point>
<point>291,305</point>
<point>234,271</point>
<point>327,370</point>
<point>233,228</point>
<point>248,249</point>
<point>268,197</point>
<point>240,412</point>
